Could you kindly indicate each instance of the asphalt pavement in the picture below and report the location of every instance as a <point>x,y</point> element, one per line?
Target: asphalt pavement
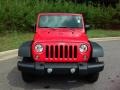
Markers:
<point>10,77</point>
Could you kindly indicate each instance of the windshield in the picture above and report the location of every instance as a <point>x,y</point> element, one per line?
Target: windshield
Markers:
<point>59,21</point>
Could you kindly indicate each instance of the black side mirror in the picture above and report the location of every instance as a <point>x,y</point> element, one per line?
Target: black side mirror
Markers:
<point>87,27</point>
<point>33,27</point>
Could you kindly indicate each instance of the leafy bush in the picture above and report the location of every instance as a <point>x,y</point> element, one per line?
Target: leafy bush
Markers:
<point>19,15</point>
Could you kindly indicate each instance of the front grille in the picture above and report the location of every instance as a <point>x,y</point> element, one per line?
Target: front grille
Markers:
<point>60,51</point>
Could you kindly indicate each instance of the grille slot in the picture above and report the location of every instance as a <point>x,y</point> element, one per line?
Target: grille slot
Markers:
<point>75,51</point>
<point>51,51</point>
<point>66,51</point>
<point>70,51</point>
<point>56,51</point>
<point>60,51</point>
<point>47,51</point>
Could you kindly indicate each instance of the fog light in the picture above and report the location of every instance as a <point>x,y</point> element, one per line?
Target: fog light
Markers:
<point>85,57</point>
<point>37,57</point>
<point>72,70</point>
<point>49,70</point>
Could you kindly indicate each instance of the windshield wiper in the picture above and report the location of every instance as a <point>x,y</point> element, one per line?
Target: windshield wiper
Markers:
<point>59,27</point>
<point>45,27</point>
<point>67,27</point>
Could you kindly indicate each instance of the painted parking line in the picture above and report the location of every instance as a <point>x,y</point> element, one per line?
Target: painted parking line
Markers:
<point>8,52</point>
<point>105,39</point>
<point>8,57</point>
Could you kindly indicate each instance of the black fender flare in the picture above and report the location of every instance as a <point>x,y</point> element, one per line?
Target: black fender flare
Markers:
<point>97,50</point>
<point>25,49</point>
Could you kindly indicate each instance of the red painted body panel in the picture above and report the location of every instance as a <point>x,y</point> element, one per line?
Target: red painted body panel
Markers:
<point>60,36</point>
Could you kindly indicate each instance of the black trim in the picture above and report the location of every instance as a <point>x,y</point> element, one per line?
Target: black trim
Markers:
<point>60,68</point>
<point>97,50</point>
<point>25,49</point>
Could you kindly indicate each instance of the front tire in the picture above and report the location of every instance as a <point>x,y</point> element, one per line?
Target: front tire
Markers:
<point>92,78</point>
<point>28,77</point>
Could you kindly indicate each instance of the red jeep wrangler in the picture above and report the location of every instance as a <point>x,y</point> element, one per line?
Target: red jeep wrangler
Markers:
<point>60,46</point>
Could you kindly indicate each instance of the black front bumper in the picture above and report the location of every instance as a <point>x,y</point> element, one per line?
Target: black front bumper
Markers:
<point>61,68</point>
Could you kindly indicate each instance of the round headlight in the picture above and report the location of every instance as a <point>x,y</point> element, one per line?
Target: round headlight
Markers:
<point>83,48</point>
<point>38,48</point>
